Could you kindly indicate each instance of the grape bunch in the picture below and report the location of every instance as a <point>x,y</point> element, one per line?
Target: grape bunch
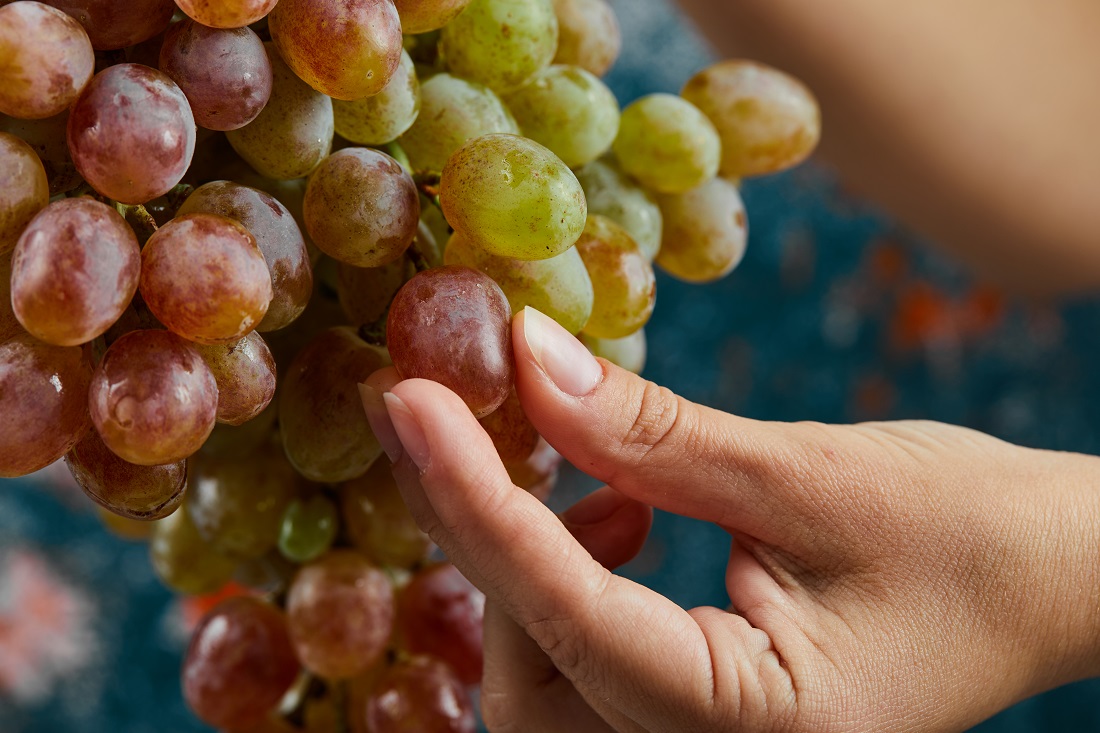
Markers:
<point>218,218</point>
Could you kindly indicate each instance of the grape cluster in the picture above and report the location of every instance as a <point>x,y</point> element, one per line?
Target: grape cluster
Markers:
<point>217,217</point>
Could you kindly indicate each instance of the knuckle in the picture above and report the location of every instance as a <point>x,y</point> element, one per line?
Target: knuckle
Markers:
<point>500,711</point>
<point>656,415</point>
<point>559,640</point>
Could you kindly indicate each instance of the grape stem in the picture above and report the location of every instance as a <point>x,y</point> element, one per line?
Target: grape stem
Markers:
<point>139,219</point>
<point>427,182</point>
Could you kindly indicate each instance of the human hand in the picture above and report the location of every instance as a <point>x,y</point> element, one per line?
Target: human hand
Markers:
<point>885,577</point>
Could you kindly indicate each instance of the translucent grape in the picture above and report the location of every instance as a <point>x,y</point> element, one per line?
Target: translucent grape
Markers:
<point>46,60</point>
<point>347,49</point>
<point>204,277</point>
<point>183,560</point>
<point>225,74</point>
<point>378,523</point>
<point>366,292</point>
<point>308,528</point>
<point>74,271</point>
<point>421,16</point>
<point>705,232</point>
<point>361,207</point>
<point>667,143</point>
<point>153,399</point>
<point>381,118</point>
<point>134,530</point>
<point>513,198</point>
<point>440,613</point>
<point>613,194</point>
<point>453,325</point>
<point>47,137</point>
<point>588,35</point>
<point>24,190</point>
<point>420,694</point>
<point>500,43</point>
<point>245,373</point>
<point>226,13</point>
<point>131,133</point>
<point>559,287</point>
<point>570,111</point>
<point>340,611</point>
<point>622,279</point>
<point>135,492</point>
<point>112,25</point>
<point>768,120</point>
<point>513,434</point>
<point>9,325</point>
<point>44,401</point>
<point>628,352</point>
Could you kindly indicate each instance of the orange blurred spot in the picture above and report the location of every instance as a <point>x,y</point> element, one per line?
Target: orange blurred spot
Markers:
<point>924,316</point>
<point>193,608</point>
<point>982,310</point>
<point>888,262</point>
<point>874,398</point>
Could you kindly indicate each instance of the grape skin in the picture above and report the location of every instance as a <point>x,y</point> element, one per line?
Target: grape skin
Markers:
<point>667,144</point>
<point>589,35</point>
<point>142,493</point>
<point>24,190</point>
<point>611,193</point>
<point>9,324</point>
<point>113,25</point>
<point>377,521</point>
<point>245,373</point>
<point>513,435</point>
<point>628,352</point>
<point>440,613</point>
<point>46,60</point>
<point>183,560</point>
<point>47,137</point>
<point>705,232</point>
<point>422,16</point>
<point>226,13</point>
<point>420,694</point>
<point>383,117</point>
<point>622,279</point>
<point>308,528</point>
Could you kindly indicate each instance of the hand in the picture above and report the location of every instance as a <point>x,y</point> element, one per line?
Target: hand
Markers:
<point>889,577</point>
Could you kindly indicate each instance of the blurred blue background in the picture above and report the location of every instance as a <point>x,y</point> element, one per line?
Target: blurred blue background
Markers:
<point>836,315</point>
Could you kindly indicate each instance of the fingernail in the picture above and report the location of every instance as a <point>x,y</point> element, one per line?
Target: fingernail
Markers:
<point>408,430</point>
<point>380,423</point>
<point>595,508</point>
<point>562,357</point>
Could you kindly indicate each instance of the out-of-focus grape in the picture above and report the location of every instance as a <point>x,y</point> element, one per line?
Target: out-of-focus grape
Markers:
<point>340,611</point>
<point>588,35</point>
<point>513,434</point>
<point>381,118</point>
<point>135,492</point>
<point>325,431</point>
<point>242,441</point>
<point>768,121</point>
<point>705,232</point>
<point>245,373</point>
<point>9,325</point>
<point>513,197</point>
<point>421,16</point>
<point>366,292</point>
<point>347,49</point>
<point>419,694</point>
<point>131,133</point>
<point>323,312</point>
<point>308,528</point>
<point>628,352</point>
<point>152,398</point>
<point>204,277</point>
<point>453,325</point>
<point>47,138</point>
<point>440,613</point>
<point>183,560</point>
<point>570,111</point>
<point>113,25</point>
<point>44,401</point>
<point>74,271</point>
<point>24,190</point>
<point>239,664</point>
<point>611,193</point>
<point>559,287</point>
<point>133,530</point>
<point>378,523</point>
<point>667,143</point>
<point>47,60</point>
<point>361,207</point>
<point>225,74</point>
<point>539,473</point>
<point>269,573</point>
<point>294,132</point>
<point>500,43</point>
<point>622,279</point>
<point>226,13</point>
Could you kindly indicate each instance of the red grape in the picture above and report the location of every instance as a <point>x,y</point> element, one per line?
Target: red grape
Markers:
<point>112,25</point>
<point>46,60</point>
<point>440,613</point>
<point>9,324</point>
<point>24,190</point>
<point>420,695</point>
<point>513,434</point>
<point>245,373</point>
<point>137,492</point>
<point>226,13</point>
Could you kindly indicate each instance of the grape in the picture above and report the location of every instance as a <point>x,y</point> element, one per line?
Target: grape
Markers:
<point>421,16</point>
<point>226,13</point>
<point>294,132</point>
<point>325,431</point>
<point>559,287</point>
<point>705,232</point>
<point>47,137</point>
<point>9,325</point>
<point>361,207</point>
<point>225,74</point>
<point>44,403</point>
<point>270,573</point>
<point>419,695</point>
<point>440,613</point>
<point>152,398</point>
<point>667,144</point>
<point>131,133</point>
<point>74,271</point>
<point>340,611</point>
<point>241,442</point>
<point>628,352</point>
<point>245,373</point>
<point>611,193</point>
<point>514,437</point>
<point>500,43</point>
<point>768,121</point>
<point>133,530</point>
<point>621,278</point>
<point>568,110</point>
<point>366,292</point>
<point>113,25</point>
<point>513,198</point>
<point>381,118</point>
<point>453,325</point>
<point>347,49</point>
<point>183,560</point>
<point>378,523</point>
<point>239,664</point>
<point>588,34</point>
<point>135,492</point>
<point>539,473</point>
<point>46,60</point>
<point>204,277</point>
<point>136,317</point>
<point>23,188</point>
<point>308,528</point>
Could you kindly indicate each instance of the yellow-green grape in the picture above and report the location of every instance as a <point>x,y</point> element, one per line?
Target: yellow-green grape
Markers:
<point>422,16</point>
<point>378,523</point>
<point>613,194</point>
<point>381,118</point>
<point>768,120</point>
<point>513,197</point>
<point>568,110</point>
<point>667,143</point>
<point>705,232</point>
<point>628,352</point>
<point>622,279</point>
<point>588,34</point>
<point>452,111</point>
<point>133,530</point>
<point>559,287</point>
<point>308,529</point>
<point>183,560</point>
<point>294,132</point>
<point>501,43</point>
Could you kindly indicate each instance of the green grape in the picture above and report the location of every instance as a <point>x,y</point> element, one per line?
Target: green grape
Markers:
<point>705,232</point>
<point>568,110</point>
<point>452,111</point>
<point>628,352</point>
<point>308,529</point>
<point>433,234</point>
<point>513,198</point>
<point>667,143</point>
<point>500,43</point>
<point>183,560</point>
<point>422,16</point>
<point>588,36</point>
<point>612,193</point>
<point>381,118</point>
<point>559,287</point>
<point>378,523</point>
<point>621,278</point>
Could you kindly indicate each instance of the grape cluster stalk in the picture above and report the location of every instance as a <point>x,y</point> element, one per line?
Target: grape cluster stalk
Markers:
<point>217,217</point>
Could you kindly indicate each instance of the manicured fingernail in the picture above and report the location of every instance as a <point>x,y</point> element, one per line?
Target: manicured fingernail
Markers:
<point>562,357</point>
<point>380,423</point>
<point>595,508</point>
<point>408,430</point>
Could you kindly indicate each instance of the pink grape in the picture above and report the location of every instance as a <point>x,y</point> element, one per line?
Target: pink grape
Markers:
<point>420,695</point>
<point>112,24</point>
<point>46,60</point>
<point>440,613</point>
<point>137,492</point>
